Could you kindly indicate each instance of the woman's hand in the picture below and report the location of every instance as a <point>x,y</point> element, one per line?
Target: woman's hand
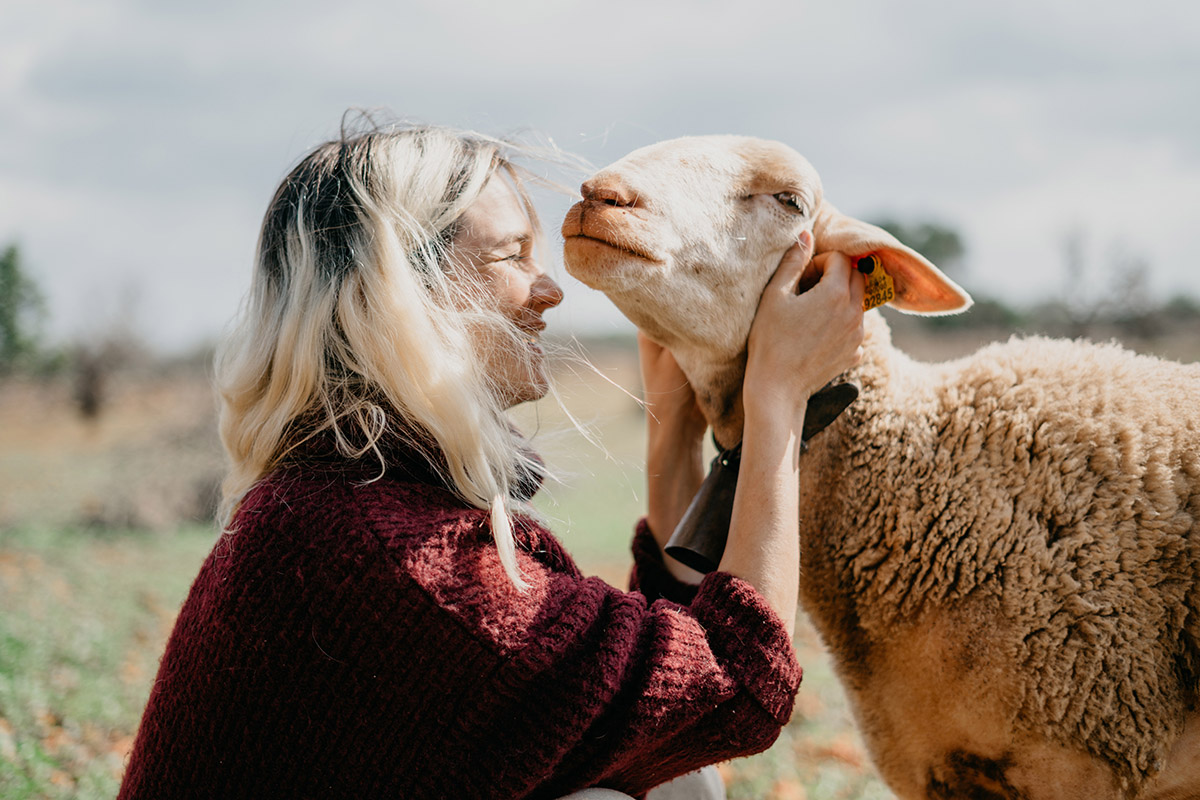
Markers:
<point>800,342</point>
<point>675,430</point>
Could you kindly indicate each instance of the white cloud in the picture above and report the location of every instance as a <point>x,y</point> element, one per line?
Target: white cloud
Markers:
<point>140,140</point>
<point>1123,201</point>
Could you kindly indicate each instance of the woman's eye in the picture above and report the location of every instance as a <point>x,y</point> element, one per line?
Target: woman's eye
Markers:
<point>790,200</point>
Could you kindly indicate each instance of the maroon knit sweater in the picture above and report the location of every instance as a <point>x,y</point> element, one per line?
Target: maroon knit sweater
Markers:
<point>360,639</point>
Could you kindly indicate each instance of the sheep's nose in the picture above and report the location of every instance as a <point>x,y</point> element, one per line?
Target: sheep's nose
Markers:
<point>609,191</point>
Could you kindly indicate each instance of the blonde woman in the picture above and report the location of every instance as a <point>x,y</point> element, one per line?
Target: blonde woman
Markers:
<point>383,616</point>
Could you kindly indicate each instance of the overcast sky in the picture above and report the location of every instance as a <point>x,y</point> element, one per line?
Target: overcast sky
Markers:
<point>140,141</point>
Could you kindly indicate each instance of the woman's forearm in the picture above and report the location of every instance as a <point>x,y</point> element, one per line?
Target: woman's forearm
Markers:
<point>764,532</point>
<point>763,548</point>
<point>674,472</point>
<point>673,475</point>
<point>675,429</point>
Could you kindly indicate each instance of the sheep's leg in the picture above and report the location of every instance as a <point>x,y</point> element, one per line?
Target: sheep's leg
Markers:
<point>1180,777</point>
<point>1039,772</point>
<point>937,704</point>
<point>943,761</point>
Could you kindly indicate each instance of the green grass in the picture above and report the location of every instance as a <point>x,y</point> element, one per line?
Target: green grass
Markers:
<point>83,621</point>
<point>84,616</point>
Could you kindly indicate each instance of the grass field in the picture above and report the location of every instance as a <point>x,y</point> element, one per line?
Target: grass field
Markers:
<point>94,563</point>
<point>97,553</point>
<point>85,617</point>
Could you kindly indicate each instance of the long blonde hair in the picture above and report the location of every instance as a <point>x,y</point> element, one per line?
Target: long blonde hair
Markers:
<point>354,325</point>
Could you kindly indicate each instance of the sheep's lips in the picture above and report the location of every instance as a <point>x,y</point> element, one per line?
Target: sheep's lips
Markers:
<point>601,245</point>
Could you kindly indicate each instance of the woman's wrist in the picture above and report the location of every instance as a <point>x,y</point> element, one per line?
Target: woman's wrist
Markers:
<point>763,546</point>
<point>773,408</point>
<point>674,472</point>
<point>673,476</point>
<point>674,443</point>
<point>674,455</point>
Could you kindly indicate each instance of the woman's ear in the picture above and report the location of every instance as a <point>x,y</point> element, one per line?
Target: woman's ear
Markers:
<point>921,288</point>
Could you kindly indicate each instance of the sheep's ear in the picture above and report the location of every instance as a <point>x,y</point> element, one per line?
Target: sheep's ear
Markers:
<point>921,288</point>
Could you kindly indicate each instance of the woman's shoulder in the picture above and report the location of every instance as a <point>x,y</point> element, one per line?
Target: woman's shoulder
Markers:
<point>316,514</point>
<point>313,528</point>
<point>350,497</point>
<point>426,539</point>
<point>410,519</point>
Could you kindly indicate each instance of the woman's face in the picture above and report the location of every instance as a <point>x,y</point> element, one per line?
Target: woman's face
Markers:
<point>494,248</point>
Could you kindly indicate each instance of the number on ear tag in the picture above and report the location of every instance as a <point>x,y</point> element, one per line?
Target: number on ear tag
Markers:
<point>880,288</point>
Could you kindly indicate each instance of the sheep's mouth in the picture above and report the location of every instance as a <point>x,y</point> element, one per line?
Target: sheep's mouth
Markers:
<point>624,249</point>
<point>605,232</point>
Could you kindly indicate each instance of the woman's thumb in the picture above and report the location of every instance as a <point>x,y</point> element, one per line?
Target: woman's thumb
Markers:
<point>791,268</point>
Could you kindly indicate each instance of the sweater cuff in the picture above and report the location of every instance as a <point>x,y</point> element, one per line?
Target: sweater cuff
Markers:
<point>750,638</point>
<point>650,575</point>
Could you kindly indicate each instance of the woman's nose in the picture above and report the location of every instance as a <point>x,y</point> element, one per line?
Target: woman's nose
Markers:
<point>545,293</point>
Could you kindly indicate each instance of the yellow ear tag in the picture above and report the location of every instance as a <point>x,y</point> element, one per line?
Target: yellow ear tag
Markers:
<point>880,289</point>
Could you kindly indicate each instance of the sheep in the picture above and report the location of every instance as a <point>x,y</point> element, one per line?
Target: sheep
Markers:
<point>1000,552</point>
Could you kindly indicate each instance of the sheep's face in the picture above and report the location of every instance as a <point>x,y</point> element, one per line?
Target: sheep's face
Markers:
<point>683,235</point>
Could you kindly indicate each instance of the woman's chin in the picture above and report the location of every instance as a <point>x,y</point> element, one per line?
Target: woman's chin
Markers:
<point>530,388</point>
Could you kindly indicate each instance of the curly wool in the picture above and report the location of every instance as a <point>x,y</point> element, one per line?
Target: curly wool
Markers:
<point>1037,504</point>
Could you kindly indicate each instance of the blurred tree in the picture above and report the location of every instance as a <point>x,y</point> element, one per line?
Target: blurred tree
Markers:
<point>940,244</point>
<point>109,348</point>
<point>21,311</point>
<point>987,312</point>
<point>943,246</point>
<point>1083,303</point>
<point>1133,308</point>
<point>1182,308</point>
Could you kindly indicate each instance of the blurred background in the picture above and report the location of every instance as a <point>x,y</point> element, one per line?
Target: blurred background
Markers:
<point>1046,155</point>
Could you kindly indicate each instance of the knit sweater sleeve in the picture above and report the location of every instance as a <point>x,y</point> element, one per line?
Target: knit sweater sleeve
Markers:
<point>650,575</point>
<point>600,687</point>
<point>655,690</point>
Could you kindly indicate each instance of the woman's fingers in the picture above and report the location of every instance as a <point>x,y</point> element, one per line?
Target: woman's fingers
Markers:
<point>658,365</point>
<point>836,268</point>
<point>841,284</point>
<point>814,273</point>
<point>647,346</point>
<point>798,343</point>
<point>662,378</point>
<point>791,268</point>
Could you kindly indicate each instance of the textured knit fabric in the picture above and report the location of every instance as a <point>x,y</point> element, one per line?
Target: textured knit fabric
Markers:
<point>358,637</point>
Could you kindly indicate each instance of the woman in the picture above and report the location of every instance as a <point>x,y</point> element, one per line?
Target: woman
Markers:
<point>384,616</point>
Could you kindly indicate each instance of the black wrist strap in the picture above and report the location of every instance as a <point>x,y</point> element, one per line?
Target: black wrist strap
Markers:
<point>699,539</point>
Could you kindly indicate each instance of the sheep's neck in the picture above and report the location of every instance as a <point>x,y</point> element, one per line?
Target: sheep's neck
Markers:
<point>719,387</point>
<point>728,430</point>
<point>718,390</point>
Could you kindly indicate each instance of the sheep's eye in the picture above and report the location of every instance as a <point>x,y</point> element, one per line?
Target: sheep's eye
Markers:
<point>790,200</point>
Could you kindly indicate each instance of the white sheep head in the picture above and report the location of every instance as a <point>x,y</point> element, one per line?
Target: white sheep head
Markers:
<point>683,235</point>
